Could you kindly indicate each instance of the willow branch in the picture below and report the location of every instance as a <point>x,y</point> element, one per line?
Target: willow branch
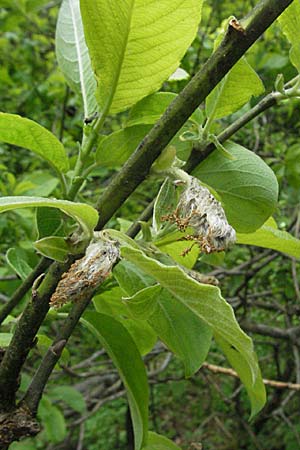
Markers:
<point>25,332</point>
<point>34,393</point>
<point>290,334</point>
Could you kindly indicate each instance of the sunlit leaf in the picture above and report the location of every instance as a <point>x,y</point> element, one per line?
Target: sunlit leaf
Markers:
<point>269,237</point>
<point>84,214</point>
<point>236,89</point>
<point>26,133</point>
<point>136,45</point>
<point>289,21</point>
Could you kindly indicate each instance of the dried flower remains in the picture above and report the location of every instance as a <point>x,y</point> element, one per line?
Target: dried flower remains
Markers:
<point>87,273</point>
<point>197,208</point>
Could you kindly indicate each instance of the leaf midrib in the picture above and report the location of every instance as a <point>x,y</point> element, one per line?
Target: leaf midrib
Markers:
<point>120,65</point>
<point>79,58</point>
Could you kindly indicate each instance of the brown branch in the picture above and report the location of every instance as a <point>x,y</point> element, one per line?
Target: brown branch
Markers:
<point>272,383</point>
<point>265,330</point>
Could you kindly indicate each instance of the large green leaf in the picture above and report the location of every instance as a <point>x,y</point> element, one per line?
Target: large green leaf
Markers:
<point>110,303</point>
<point>114,149</point>
<point>131,278</point>
<point>186,335</point>
<point>26,133</point>
<point>236,89</point>
<point>73,56</point>
<point>256,390</point>
<point>270,237</point>
<point>158,442</point>
<point>207,303</point>
<point>290,24</point>
<point>123,351</point>
<point>149,109</point>
<point>247,186</point>
<point>84,214</point>
<point>136,45</point>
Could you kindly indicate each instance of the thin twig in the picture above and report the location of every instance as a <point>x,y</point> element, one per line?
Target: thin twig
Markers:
<point>272,383</point>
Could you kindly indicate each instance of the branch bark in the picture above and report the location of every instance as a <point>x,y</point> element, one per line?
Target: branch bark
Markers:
<point>273,383</point>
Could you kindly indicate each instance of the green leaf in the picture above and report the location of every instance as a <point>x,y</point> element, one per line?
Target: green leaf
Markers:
<point>37,184</point>
<point>5,339</point>
<point>114,149</point>
<point>142,333</point>
<point>247,186</point>
<point>110,302</point>
<point>136,45</point>
<point>84,214</point>
<point>269,237</point>
<point>236,89</point>
<point>26,444</point>
<point>177,252</point>
<point>26,133</point>
<point>48,220</point>
<point>17,259</point>
<point>290,25</point>
<point>123,351</point>
<point>185,334</point>
<point>144,302</point>
<point>158,442</point>
<point>206,302</point>
<point>130,278</point>
<point>256,390</point>
<point>53,247</point>
<point>53,421</point>
<point>70,396</point>
<point>73,56</point>
<point>150,109</point>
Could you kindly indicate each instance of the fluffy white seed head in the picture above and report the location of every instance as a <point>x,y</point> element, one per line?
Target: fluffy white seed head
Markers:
<point>87,273</point>
<point>206,216</point>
